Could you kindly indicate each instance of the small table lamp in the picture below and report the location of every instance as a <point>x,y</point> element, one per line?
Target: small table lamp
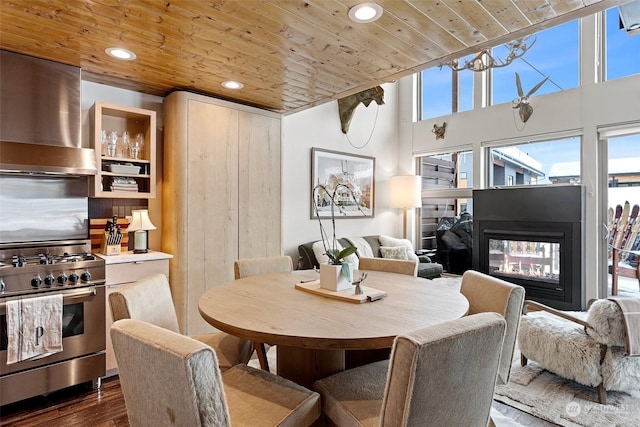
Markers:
<point>406,193</point>
<point>140,224</point>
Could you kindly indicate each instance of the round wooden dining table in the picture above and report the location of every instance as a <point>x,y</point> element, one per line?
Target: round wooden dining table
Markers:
<point>313,332</point>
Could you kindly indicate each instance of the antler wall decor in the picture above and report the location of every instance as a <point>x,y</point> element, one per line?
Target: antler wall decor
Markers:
<point>348,104</point>
<point>485,60</point>
<point>522,102</point>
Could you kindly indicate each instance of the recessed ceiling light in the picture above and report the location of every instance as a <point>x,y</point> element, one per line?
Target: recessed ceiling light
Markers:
<point>232,84</point>
<point>365,12</point>
<point>120,53</point>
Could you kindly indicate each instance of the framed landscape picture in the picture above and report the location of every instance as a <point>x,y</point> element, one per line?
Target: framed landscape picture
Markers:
<point>348,178</point>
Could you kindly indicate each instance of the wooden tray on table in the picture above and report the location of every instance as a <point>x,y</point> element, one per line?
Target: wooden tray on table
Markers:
<point>368,294</point>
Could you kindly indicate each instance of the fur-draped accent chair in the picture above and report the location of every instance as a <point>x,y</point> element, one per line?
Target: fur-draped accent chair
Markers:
<point>591,348</point>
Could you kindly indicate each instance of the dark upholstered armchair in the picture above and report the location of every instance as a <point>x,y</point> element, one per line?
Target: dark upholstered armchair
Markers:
<point>454,239</point>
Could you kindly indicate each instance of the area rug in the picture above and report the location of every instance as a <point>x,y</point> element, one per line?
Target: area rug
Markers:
<point>542,394</point>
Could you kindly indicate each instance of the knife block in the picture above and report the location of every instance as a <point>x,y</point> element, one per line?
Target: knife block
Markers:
<point>107,249</point>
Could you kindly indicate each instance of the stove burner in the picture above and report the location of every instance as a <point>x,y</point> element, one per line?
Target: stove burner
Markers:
<point>18,261</point>
<point>47,259</point>
<point>47,268</point>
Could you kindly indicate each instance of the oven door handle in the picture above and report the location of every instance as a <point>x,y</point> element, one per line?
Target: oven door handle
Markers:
<point>66,297</point>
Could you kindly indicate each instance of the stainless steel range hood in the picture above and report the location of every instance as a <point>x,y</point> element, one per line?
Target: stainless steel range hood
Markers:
<point>18,157</point>
<point>40,119</point>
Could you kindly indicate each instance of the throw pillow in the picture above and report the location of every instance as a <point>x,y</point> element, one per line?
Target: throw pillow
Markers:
<point>391,241</point>
<point>394,252</point>
<point>321,255</point>
<point>364,249</point>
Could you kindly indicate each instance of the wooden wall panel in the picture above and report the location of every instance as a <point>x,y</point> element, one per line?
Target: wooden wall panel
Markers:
<point>212,199</point>
<point>259,228</point>
<point>221,194</point>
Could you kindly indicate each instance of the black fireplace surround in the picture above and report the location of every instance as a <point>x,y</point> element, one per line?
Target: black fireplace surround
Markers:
<point>533,237</point>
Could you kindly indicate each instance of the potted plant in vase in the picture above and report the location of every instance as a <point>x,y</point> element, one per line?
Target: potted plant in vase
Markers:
<point>337,275</point>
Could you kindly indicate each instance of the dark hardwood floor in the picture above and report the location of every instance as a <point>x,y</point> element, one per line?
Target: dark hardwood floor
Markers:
<point>80,406</point>
<point>77,406</point>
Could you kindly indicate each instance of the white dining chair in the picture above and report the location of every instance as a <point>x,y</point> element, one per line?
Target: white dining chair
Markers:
<point>150,300</point>
<point>442,375</point>
<point>249,267</point>
<point>170,379</point>
<point>490,294</point>
<point>399,266</point>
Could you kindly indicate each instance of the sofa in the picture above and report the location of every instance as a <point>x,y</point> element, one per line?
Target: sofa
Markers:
<point>368,246</point>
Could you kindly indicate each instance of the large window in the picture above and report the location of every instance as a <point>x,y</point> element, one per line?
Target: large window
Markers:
<point>555,53</point>
<point>447,182</point>
<point>535,163</point>
<point>623,49</point>
<point>444,91</point>
<point>447,171</point>
<point>552,53</point>
<point>624,169</point>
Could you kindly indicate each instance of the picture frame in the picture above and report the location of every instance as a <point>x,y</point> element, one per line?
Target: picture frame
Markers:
<point>357,172</point>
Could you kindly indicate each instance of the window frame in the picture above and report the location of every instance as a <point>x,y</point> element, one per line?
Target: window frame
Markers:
<point>487,146</point>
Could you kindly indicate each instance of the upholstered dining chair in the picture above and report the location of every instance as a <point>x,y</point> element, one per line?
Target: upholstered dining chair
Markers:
<point>490,294</point>
<point>149,300</point>
<point>440,375</point>
<point>170,379</point>
<point>248,267</point>
<point>400,266</point>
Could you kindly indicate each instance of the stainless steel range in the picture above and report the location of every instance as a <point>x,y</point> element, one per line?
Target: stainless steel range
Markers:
<point>36,212</point>
<point>67,268</point>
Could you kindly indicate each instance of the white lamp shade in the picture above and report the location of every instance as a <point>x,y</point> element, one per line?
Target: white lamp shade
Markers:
<point>140,221</point>
<point>406,191</point>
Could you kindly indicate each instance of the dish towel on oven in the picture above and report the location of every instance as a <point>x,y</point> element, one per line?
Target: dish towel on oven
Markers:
<point>34,328</point>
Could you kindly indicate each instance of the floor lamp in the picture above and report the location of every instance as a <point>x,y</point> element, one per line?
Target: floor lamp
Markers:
<point>406,193</point>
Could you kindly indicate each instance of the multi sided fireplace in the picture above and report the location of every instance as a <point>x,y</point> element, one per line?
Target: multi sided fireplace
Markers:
<point>533,237</point>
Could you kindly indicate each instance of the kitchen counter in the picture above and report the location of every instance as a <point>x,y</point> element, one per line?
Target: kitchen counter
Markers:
<point>129,256</point>
<point>122,270</point>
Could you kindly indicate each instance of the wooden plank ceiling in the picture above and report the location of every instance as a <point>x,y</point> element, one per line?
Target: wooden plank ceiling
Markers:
<point>290,54</point>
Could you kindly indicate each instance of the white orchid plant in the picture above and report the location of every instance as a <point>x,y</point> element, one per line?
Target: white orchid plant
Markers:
<point>328,195</point>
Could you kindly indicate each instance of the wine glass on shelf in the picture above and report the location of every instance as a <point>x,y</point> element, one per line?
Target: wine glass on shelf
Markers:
<point>136,146</point>
<point>126,144</point>
<point>103,141</point>
<point>112,143</point>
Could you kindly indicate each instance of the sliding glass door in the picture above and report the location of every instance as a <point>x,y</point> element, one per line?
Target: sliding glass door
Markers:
<point>621,184</point>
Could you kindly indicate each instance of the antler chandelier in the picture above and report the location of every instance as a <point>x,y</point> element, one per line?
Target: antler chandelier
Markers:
<point>484,60</point>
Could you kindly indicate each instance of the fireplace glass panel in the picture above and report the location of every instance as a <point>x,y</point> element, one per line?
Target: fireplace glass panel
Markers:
<point>531,260</point>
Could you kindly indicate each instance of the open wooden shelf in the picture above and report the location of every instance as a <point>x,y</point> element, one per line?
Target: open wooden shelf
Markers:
<point>134,120</point>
